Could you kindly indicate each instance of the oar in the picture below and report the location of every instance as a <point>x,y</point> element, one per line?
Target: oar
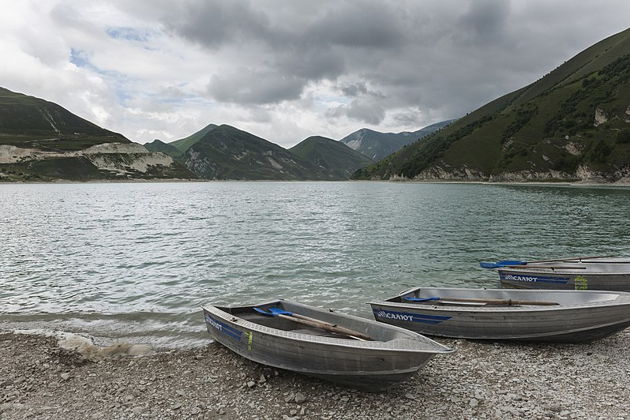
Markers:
<point>505,263</point>
<point>312,322</point>
<point>495,301</point>
<point>572,259</point>
<point>552,267</point>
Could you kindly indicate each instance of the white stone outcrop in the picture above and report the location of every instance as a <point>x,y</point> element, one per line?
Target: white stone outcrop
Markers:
<point>600,117</point>
<point>121,158</point>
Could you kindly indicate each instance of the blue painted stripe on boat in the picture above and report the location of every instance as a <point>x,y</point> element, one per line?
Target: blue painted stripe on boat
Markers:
<point>533,279</point>
<point>224,328</point>
<point>409,317</point>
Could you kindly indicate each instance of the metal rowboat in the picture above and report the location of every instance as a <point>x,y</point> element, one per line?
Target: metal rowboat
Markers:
<point>376,357</point>
<point>503,314</point>
<point>612,274</point>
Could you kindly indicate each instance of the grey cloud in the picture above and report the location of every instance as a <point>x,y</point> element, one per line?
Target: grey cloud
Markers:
<point>317,63</point>
<point>442,57</point>
<point>409,118</point>
<point>354,89</point>
<point>215,23</point>
<point>485,20</point>
<point>300,52</point>
<point>358,24</point>
<point>359,89</point>
<point>253,86</point>
<point>371,113</point>
<point>366,111</point>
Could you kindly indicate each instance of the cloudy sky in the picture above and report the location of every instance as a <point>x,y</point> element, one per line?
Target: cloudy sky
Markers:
<point>288,69</point>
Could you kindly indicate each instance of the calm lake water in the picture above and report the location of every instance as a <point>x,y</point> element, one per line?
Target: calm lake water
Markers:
<point>136,261</point>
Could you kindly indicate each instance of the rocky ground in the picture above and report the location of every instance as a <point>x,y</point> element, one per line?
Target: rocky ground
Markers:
<point>479,380</point>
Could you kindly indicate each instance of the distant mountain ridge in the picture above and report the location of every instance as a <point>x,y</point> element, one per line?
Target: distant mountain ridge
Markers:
<point>335,158</point>
<point>377,145</point>
<point>225,152</point>
<point>573,124</point>
<point>42,141</point>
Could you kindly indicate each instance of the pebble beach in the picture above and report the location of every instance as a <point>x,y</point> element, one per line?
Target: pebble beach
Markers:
<point>39,379</point>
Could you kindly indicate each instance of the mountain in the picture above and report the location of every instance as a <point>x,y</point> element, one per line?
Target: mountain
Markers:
<point>177,148</point>
<point>26,121</point>
<point>42,141</point>
<point>184,144</point>
<point>334,157</point>
<point>572,124</point>
<point>226,152</point>
<point>377,145</point>
<point>161,147</point>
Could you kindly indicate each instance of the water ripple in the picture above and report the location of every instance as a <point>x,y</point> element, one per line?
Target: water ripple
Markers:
<point>137,261</point>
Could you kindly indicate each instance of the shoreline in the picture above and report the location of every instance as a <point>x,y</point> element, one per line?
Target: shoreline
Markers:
<point>480,379</point>
<point>396,181</point>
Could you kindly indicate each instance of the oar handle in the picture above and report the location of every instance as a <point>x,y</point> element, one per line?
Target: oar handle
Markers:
<point>573,259</point>
<point>552,267</point>
<point>312,322</point>
<point>332,327</point>
<point>495,301</point>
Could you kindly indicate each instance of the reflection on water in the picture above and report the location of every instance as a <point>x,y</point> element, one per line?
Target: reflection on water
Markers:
<point>138,260</point>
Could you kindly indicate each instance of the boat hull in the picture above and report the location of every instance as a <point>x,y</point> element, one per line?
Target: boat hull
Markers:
<point>566,323</point>
<point>544,279</point>
<point>346,361</point>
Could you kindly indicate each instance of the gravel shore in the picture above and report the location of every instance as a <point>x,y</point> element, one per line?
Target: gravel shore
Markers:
<point>480,380</point>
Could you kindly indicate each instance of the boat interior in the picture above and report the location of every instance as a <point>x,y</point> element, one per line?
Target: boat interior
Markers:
<point>604,267</point>
<point>294,324</point>
<point>507,297</point>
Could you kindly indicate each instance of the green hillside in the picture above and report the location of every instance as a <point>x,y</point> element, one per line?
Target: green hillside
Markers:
<point>337,159</point>
<point>26,121</point>
<point>184,144</point>
<point>572,124</point>
<point>177,148</point>
<point>42,141</point>
<point>228,153</point>
<point>159,146</point>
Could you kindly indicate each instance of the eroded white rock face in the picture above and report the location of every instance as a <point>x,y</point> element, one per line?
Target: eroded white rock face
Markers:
<point>116,157</point>
<point>274,163</point>
<point>600,117</point>
<point>584,174</point>
<point>140,162</point>
<point>115,148</point>
<point>572,148</point>
<point>14,154</point>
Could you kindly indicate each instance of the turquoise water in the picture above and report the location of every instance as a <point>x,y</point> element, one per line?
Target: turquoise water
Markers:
<point>136,261</point>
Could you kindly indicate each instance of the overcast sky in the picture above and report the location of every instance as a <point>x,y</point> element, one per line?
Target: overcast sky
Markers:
<point>286,70</point>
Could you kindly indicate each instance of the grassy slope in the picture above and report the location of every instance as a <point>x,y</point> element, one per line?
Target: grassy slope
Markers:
<point>336,158</point>
<point>530,129</point>
<point>229,153</point>
<point>176,149</point>
<point>26,121</point>
<point>160,146</point>
<point>184,144</point>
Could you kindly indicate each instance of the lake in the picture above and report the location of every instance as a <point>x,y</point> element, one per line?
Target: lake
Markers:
<point>135,261</point>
